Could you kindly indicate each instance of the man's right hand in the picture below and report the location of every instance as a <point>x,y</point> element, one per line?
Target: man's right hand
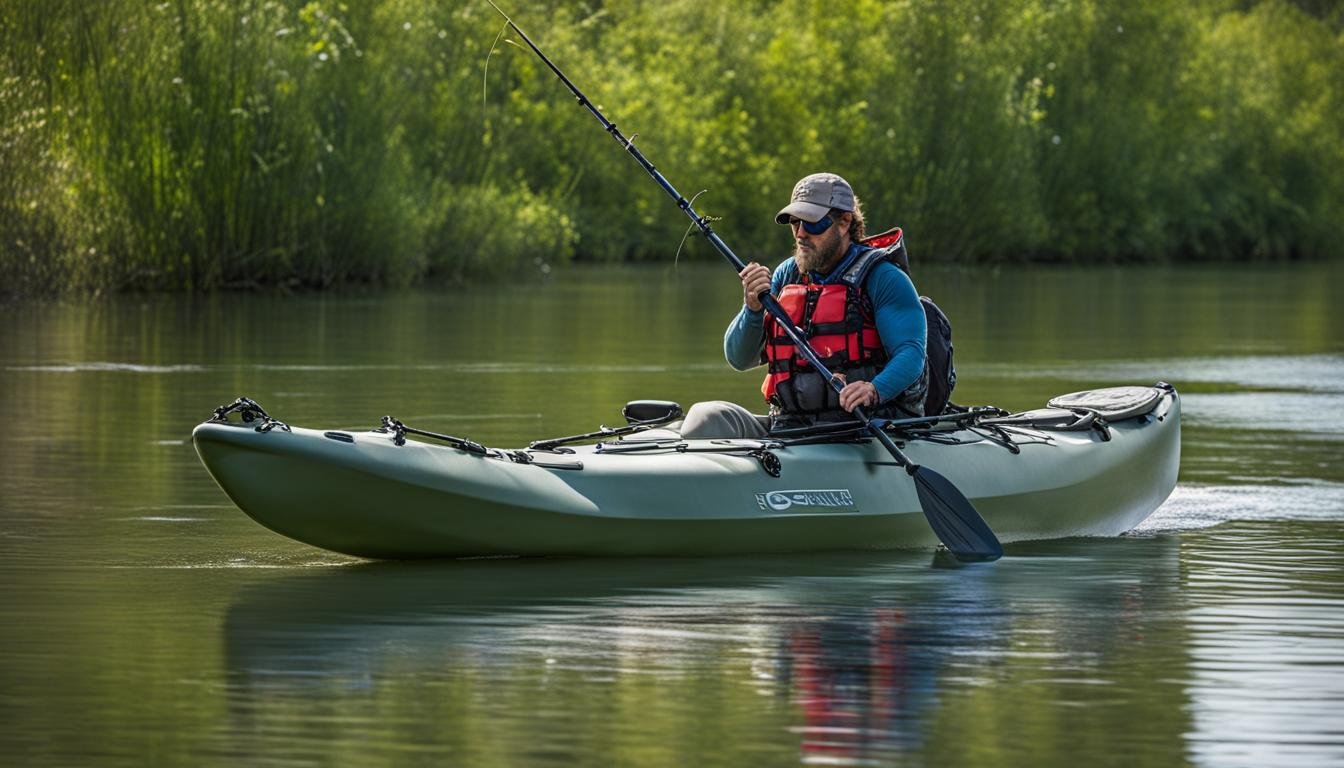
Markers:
<point>755,279</point>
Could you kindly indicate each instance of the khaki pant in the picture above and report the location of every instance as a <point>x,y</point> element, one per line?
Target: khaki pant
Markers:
<point>720,419</point>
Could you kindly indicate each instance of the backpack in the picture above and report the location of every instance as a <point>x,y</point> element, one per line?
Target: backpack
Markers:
<point>938,346</point>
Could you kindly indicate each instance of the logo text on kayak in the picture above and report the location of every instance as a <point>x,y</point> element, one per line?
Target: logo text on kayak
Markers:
<point>778,501</point>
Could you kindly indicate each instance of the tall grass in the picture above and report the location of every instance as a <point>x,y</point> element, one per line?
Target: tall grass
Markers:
<point>205,144</point>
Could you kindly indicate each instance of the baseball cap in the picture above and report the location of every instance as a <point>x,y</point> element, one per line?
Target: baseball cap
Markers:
<point>814,196</point>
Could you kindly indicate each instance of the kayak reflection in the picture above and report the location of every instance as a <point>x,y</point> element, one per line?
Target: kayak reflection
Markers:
<point>859,655</point>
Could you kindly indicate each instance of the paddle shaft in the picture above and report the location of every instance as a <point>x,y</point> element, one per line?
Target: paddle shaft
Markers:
<point>768,301</point>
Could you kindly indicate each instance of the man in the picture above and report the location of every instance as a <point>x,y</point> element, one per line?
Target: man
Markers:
<point>859,311</point>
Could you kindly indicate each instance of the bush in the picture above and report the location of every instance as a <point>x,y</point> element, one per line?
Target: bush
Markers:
<point>481,231</point>
<point>208,144</point>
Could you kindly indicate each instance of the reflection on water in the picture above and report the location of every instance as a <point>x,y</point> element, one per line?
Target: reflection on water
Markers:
<point>143,619</point>
<point>1145,647</point>
<point>848,658</point>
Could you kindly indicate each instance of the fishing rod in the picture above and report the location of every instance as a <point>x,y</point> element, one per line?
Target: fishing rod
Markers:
<point>949,512</point>
<point>629,146</point>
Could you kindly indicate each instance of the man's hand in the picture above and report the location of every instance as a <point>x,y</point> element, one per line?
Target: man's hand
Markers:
<point>857,393</point>
<point>755,278</point>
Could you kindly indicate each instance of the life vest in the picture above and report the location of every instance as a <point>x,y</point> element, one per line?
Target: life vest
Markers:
<point>836,318</point>
<point>939,368</point>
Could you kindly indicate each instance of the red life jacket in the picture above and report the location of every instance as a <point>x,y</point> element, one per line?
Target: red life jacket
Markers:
<point>837,320</point>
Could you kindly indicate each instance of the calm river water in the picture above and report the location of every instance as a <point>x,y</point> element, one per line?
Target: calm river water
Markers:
<point>146,621</point>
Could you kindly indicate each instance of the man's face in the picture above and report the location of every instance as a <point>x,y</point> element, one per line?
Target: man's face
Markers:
<point>817,252</point>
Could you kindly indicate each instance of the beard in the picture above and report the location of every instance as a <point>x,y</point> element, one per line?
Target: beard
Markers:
<point>817,254</point>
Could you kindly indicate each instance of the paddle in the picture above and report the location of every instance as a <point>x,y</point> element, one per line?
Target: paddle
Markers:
<point>950,514</point>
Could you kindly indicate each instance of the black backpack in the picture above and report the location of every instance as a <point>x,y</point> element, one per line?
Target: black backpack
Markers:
<point>938,347</point>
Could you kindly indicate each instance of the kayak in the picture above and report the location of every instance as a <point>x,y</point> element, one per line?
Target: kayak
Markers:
<point>1091,463</point>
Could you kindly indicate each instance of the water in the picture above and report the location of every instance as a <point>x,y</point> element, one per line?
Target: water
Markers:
<point>144,620</point>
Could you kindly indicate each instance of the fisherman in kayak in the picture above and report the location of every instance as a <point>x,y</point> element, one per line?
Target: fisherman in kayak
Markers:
<point>859,311</point>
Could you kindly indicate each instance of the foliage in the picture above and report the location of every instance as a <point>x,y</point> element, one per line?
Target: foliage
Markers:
<point>201,144</point>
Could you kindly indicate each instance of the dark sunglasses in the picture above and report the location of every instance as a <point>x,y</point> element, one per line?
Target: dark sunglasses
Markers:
<point>814,227</point>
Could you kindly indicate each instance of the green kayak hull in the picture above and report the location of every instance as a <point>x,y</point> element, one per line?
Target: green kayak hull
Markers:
<point>363,494</point>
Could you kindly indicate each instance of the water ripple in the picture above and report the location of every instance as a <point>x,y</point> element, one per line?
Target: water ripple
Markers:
<point>1311,373</point>
<point>1267,645</point>
<point>1194,506</point>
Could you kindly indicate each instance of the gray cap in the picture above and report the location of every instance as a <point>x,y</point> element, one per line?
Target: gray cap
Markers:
<point>815,195</point>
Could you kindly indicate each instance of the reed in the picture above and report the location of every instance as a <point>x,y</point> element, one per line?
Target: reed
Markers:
<point>207,144</point>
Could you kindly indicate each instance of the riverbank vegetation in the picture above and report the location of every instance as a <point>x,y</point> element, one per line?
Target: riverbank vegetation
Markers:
<point>206,144</point>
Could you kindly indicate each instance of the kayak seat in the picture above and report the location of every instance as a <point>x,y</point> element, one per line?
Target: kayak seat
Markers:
<point>1092,409</point>
<point>1112,403</point>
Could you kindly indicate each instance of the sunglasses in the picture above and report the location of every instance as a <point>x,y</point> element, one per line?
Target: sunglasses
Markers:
<point>813,227</point>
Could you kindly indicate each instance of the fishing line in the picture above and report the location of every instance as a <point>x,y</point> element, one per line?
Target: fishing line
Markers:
<point>676,258</point>
<point>485,79</point>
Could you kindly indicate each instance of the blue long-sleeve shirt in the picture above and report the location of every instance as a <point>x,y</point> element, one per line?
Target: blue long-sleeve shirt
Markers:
<point>898,315</point>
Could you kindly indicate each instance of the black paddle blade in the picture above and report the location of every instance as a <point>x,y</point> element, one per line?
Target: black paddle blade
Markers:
<point>954,520</point>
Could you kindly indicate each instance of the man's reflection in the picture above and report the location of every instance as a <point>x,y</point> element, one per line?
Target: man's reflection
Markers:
<point>864,683</point>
